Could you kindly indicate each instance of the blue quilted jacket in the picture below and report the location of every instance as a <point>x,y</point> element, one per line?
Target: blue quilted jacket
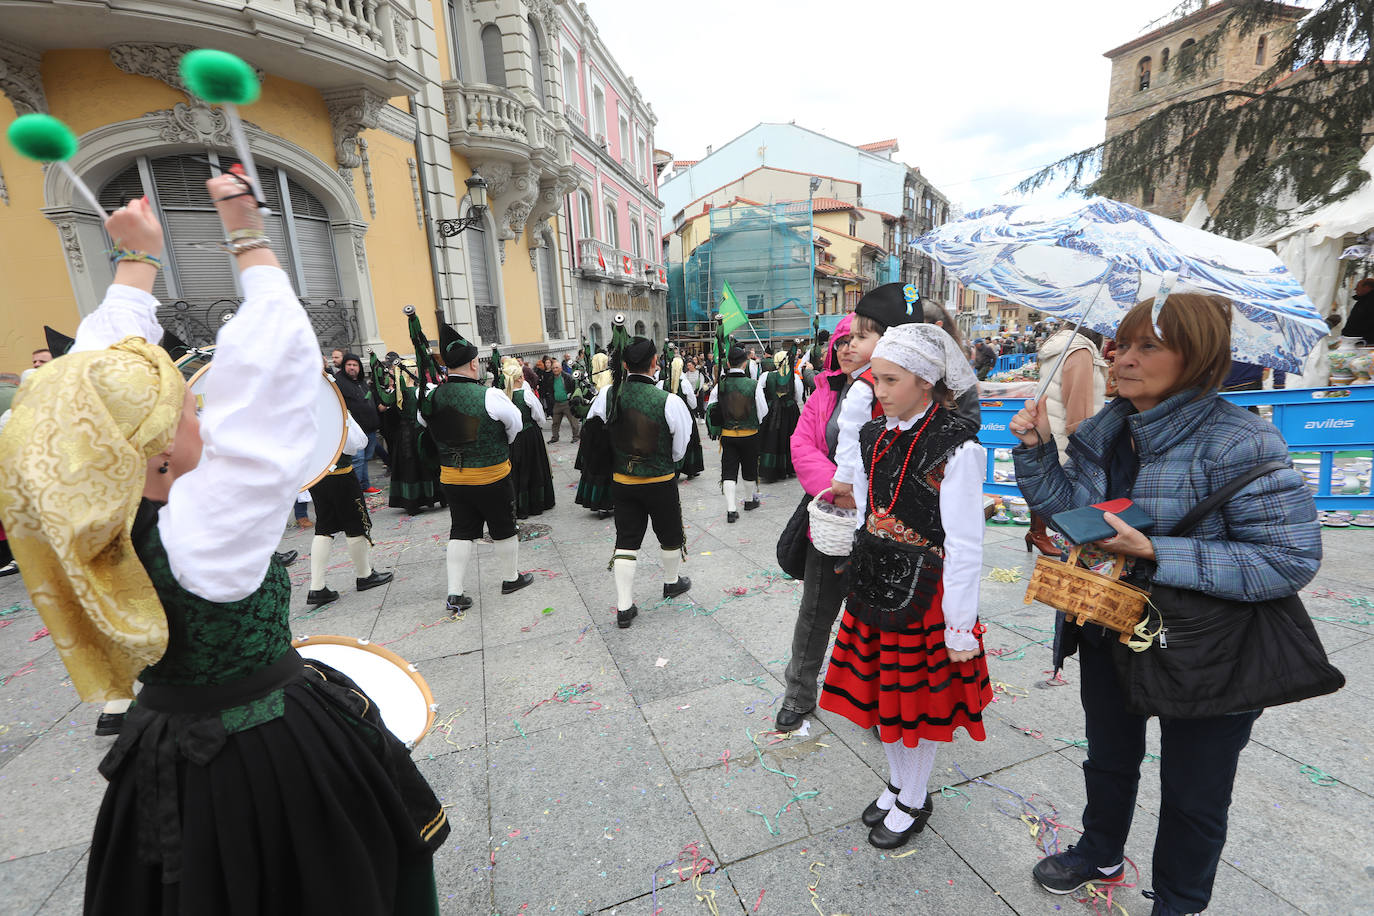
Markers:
<point>1264,543</point>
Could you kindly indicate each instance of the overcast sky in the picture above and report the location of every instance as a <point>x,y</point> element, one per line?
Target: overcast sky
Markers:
<point>977,92</point>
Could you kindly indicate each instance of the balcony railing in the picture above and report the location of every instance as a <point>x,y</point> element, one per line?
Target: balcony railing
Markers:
<point>487,118</point>
<point>595,257</point>
<point>575,117</point>
<point>492,113</point>
<point>356,20</point>
<point>197,320</point>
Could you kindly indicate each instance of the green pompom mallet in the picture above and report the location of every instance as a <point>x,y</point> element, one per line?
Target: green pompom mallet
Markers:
<point>44,138</point>
<point>223,79</point>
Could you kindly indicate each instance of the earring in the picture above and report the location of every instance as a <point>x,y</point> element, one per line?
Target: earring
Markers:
<point>163,468</point>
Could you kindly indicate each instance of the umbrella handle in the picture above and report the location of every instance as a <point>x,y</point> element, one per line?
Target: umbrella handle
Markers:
<point>1045,381</point>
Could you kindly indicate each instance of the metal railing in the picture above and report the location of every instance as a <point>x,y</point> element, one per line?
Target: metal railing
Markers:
<point>197,320</point>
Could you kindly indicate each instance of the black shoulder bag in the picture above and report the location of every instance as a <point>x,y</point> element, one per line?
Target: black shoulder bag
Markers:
<point>1213,656</point>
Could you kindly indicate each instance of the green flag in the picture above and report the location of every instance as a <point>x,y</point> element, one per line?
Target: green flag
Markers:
<point>731,311</point>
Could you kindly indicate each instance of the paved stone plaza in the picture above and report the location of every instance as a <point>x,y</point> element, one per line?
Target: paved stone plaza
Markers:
<point>583,764</point>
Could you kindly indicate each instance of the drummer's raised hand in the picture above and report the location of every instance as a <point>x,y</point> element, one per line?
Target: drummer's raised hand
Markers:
<point>238,211</point>
<point>137,237</point>
<point>1032,423</point>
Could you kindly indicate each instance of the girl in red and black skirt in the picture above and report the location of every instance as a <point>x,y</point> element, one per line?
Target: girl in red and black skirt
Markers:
<point>909,654</point>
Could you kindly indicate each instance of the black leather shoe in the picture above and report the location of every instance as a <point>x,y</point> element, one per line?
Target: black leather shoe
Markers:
<point>623,618</point>
<point>731,517</point>
<point>883,838</point>
<point>109,723</point>
<point>374,580</point>
<point>322,596</point>
<point>519,582</point>
<point>677,588</point>
<point>873,815</point>
<point>457,605</point>
<point>750,505</point>
<point>285,557</point>
<point>789,720</point>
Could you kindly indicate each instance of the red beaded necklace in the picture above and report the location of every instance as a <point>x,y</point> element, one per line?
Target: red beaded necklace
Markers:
<point>901,475</point>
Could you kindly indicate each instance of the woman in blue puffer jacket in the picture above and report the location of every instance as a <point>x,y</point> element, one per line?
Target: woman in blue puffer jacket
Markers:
<point>1167,442</point>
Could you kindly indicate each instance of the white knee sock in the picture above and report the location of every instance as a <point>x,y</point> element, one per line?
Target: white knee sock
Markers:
<point>457,562</point>
<point>116,707</point>
<point>914,765</point>
<point>894,773</point>
<point>672,562</point>
<point>728,488</point>
<point>507,557</point>
<point>755,485</point>
<point>360,552</point>
<point>319,560</point>
<point>625,563</point>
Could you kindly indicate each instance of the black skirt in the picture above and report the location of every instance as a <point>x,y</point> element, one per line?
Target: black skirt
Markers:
<point>317,811</point>
<point>775,441</point>
<point>594,457</point>
<point>530,473</point>
<point>414,481</point>
<point>694,460</point>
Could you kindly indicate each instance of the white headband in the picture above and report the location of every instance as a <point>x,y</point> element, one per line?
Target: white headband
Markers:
<point>929,352</point>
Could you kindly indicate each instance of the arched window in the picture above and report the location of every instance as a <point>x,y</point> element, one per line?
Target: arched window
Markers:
<point>548,292</point>
<point>650,249</point>
<point>572,97</point>
<point>195,269</point>
<point>1261,47</point>
<point>599,113</point>
<point>585,228</point>
<point>455,38</point>
<point>608,231</point>
<point>639,329</point>
<point>480,273</point>
<point>1164,60</point>
<point>493,56</point>
<point>1143,70</point>
<point>537,64</point>
<point>594,335</point>
<point>656,331</point>
<point>634,238</point>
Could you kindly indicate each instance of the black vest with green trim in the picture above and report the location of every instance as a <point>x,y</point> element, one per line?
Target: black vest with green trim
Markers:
<point>526,414</point>
<point>738,409</point>
<point>465,434</point>
<point>640,437</point>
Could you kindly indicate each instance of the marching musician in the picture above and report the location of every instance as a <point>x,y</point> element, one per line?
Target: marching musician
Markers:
<point>649,431</point>
<point>473,427</point>
<point>340,506</point>
<point>738,405</point>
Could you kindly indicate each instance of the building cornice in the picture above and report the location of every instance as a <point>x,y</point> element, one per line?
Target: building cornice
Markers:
<point>1193,19</point>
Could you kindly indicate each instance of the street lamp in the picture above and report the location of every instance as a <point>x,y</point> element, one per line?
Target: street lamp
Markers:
<point>477,206</point>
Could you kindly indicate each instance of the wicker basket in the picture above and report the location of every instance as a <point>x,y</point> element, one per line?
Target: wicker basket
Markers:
<point>832,528</point>
<point>1084,596</point>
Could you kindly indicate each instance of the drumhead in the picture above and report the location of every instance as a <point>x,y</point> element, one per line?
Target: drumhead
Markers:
<point>401,695</point>
<point>331,415</point>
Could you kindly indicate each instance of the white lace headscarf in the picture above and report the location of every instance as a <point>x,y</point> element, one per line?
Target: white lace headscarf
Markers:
<point>929,352</point>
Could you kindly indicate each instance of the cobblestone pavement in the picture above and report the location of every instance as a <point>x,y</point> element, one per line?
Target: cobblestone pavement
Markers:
<point>584,765</point>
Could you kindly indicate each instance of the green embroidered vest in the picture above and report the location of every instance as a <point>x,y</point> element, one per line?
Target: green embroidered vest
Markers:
<point>526,414</point>
<point>738,409</point>
<point>465,434</point>
<point>640,437</point>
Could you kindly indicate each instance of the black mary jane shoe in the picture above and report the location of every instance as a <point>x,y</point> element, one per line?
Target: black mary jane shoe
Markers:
<point>883,838</point>
<point>789,720</point>
<point>109,723</point>
<point>873,815</point>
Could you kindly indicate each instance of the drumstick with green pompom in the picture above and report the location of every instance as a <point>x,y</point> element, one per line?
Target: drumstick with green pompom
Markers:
<point>44,138</point>
<point>221,78</point>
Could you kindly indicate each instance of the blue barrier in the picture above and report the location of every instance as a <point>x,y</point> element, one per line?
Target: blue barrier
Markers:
<point>1012,361</point>
<point>1321,420</point>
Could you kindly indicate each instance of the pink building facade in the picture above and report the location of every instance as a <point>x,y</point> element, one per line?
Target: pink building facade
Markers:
<point>611,217</point>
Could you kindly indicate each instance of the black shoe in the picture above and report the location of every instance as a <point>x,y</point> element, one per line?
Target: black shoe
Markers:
<point>789,720</point>
<point>623,618</point>
<point>1067,871</point>
<point>553,440</point>
<point>457,605</point>
<point>750,505</point>
<point>873,815</point>
<point>574,440</point>
<point>604,513</point>
<point>677,588</point>
<point>374,580</point>
<point>883,838</point>
<point>519,582</point>
<point>314,598</point>
<point>731,517</point>
<point>109,723</point>
<point>285,557</point>
<point>9,569</point>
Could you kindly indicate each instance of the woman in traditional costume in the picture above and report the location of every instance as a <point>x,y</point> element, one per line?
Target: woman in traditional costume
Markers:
<point>244,781</point>
<point>694,461</point>
<point>414,481</point>
<point>783,392</point>
<point>529,459</point>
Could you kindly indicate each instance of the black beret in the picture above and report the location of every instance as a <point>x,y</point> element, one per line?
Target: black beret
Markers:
<point>639,351</point>
<point>736,354</point>
<point>887,305</point>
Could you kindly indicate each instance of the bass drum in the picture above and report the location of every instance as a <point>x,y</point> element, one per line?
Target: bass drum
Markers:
<point>331,415</point>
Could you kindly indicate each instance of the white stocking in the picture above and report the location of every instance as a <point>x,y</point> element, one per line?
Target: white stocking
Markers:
<point>625,563</point>
<point>508,557</point>
<point>914,765</point>
<point>894,773</point>
<point>457,563</point>
<point>360,552</point>
<point>319,560</point>
<point>672,562</point>
<point>728,487</point>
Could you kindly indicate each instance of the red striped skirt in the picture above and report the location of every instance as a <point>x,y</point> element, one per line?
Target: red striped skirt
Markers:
<point>904,682</point>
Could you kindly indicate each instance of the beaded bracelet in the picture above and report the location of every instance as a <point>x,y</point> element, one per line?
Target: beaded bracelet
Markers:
<point>128,254</point>
<point>236,235</point>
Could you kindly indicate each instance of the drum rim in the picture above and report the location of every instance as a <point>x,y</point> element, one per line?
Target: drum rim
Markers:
<point>338,396</point>
<point>354,642</point>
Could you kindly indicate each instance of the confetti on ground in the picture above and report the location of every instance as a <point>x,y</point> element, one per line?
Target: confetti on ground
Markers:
<point>1005,575</point>
<point>1317,776</point>
<point>661,663</point>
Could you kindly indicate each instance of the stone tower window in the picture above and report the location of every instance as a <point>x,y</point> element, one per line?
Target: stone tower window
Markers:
<point>1163,60</point>
<point>1144,71</point>
<point>1260,50</point>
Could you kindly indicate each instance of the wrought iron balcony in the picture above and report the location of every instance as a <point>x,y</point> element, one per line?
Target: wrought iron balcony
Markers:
<point>197,320</point>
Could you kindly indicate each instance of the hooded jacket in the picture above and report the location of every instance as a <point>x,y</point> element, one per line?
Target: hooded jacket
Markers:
<point>362,410</point>
<point>810,452</point>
